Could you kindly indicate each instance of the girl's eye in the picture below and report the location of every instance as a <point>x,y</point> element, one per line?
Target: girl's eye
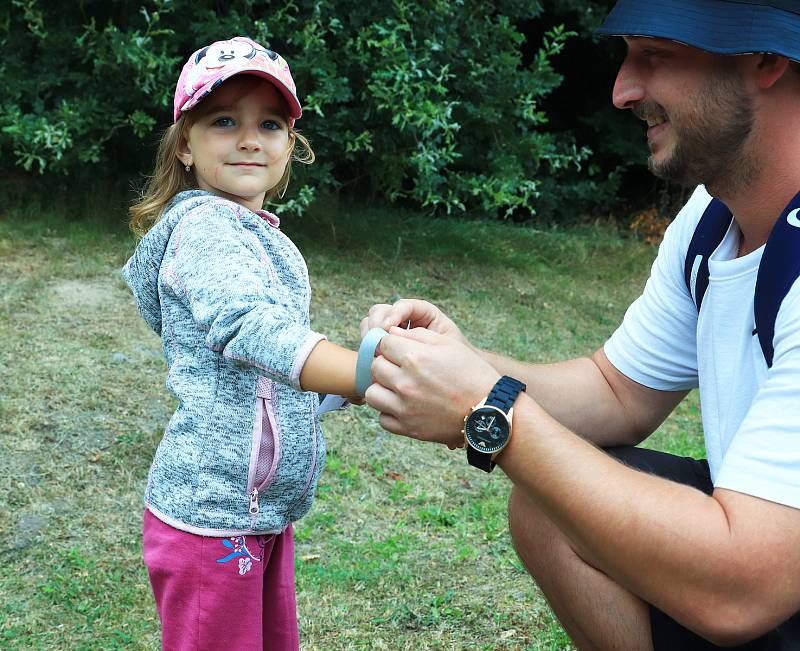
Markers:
<point>223,122</point>
<point>272,125</point>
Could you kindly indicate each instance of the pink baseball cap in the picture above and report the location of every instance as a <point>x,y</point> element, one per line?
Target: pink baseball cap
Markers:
<point>210,66</point>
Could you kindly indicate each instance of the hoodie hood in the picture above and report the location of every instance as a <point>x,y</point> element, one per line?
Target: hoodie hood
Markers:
<point>141,271</point>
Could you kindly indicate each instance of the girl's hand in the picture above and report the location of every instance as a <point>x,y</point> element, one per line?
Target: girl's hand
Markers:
<point>411,313</point>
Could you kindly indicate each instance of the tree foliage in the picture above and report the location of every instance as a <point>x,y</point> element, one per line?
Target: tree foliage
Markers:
<point>437,104</point>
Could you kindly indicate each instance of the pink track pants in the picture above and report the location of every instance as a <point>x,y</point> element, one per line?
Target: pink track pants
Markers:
<point>222,593</point>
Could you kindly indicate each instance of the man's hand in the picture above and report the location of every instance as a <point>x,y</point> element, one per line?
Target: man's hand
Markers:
<point>411,313</point>
<point>425,382</point>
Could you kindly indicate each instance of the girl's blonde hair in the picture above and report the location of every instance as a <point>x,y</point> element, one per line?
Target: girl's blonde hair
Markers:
<point>170,176</point>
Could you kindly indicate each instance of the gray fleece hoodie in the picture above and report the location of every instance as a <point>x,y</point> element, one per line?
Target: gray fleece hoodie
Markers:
<point>229,295</point>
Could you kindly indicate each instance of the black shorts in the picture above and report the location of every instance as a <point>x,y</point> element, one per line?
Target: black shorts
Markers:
<point>668,635</point>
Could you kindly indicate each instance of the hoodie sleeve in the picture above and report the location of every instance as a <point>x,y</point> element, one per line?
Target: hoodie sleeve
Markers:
<point>214,265</point>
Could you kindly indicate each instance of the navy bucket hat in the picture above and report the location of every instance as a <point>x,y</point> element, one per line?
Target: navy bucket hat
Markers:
<point>720,26</point>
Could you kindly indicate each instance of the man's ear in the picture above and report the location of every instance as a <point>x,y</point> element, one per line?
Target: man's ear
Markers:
<point>769,69</point>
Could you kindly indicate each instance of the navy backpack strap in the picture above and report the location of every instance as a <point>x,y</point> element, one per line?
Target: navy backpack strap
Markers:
<point>707,235</point>
<point>779,268</point>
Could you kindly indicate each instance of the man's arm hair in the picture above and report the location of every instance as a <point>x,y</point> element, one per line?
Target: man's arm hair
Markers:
<point>589,396</point>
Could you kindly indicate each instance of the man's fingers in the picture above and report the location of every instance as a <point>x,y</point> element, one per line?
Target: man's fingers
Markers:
<point>391,424</point>
<point>382,399</point>
<point>385,316</point>
<point>416,313</point>
<point>396,348</point>
<point>422,335</point>
<point>375,317</point>
<point>406,312</point>
<point>385,372</point>
<point>364,327</point>
<point>400,344</point>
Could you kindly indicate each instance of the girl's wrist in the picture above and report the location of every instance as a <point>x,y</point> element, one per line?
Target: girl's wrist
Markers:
<point>329,369</point>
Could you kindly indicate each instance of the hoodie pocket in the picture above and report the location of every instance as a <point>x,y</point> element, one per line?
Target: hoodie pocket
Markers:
<point>265,451</point>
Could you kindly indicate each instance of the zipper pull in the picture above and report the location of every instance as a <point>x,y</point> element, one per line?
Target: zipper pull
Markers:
<point>254,502</point>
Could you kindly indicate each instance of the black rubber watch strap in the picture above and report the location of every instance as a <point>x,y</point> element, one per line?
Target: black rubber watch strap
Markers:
<point>503,395</point>
<point>480,459</point>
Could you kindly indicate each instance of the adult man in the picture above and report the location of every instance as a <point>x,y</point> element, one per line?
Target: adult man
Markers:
<point>629,559</point>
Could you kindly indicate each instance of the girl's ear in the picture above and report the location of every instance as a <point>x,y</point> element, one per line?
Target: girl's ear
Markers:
<point>184,151</point>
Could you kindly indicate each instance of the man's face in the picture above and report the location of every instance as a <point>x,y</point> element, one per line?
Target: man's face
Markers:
<point>697,109</point>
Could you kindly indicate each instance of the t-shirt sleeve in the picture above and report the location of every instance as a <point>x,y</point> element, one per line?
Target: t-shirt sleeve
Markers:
<point>656,344</point>
<point>764,456</point>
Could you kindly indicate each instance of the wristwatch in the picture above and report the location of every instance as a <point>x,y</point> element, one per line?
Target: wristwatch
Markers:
<point>487,427</point>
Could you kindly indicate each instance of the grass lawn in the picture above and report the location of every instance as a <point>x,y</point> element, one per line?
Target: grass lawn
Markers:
<point>407,547</point>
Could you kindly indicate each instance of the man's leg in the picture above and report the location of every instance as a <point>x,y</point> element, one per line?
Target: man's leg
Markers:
<point>596,612</point>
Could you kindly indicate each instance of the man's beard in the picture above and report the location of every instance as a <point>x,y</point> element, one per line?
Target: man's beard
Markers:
<point>710,137</point>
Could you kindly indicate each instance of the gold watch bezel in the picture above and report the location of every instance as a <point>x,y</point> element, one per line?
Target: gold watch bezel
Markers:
<point>509,415</point>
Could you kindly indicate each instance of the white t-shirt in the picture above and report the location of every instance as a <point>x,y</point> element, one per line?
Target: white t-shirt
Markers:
<point>751,414</point>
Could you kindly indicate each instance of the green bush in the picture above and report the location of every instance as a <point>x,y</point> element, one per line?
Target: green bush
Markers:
<point>617,179</point>
<point>424,103</point>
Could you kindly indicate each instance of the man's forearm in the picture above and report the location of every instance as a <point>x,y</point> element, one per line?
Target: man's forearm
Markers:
<point>713,563</point>
<point>586,394</point>
<point>581,394</point>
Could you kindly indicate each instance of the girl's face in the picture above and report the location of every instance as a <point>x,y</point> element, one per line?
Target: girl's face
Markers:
<point>239,142</point>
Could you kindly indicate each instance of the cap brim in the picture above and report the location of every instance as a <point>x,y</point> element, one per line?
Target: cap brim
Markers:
<point>295,110</point>
<point>719,26</point>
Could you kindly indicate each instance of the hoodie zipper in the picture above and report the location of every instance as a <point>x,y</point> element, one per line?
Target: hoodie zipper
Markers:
<point>263,425</point>
<point>254,501</point>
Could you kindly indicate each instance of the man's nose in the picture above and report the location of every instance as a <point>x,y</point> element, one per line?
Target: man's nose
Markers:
<point>628,87</point>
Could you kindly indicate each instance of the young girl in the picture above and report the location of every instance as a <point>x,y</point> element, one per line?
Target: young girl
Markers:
<point>229,294</point>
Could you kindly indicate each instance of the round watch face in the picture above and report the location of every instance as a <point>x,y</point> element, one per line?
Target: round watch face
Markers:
<point>487,429</point>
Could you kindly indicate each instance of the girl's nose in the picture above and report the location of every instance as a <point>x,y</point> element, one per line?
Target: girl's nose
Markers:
<point>628,87</point>
<point>248,141</point>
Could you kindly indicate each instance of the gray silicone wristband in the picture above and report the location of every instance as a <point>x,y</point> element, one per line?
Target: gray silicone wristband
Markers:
<point>366,353</point>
